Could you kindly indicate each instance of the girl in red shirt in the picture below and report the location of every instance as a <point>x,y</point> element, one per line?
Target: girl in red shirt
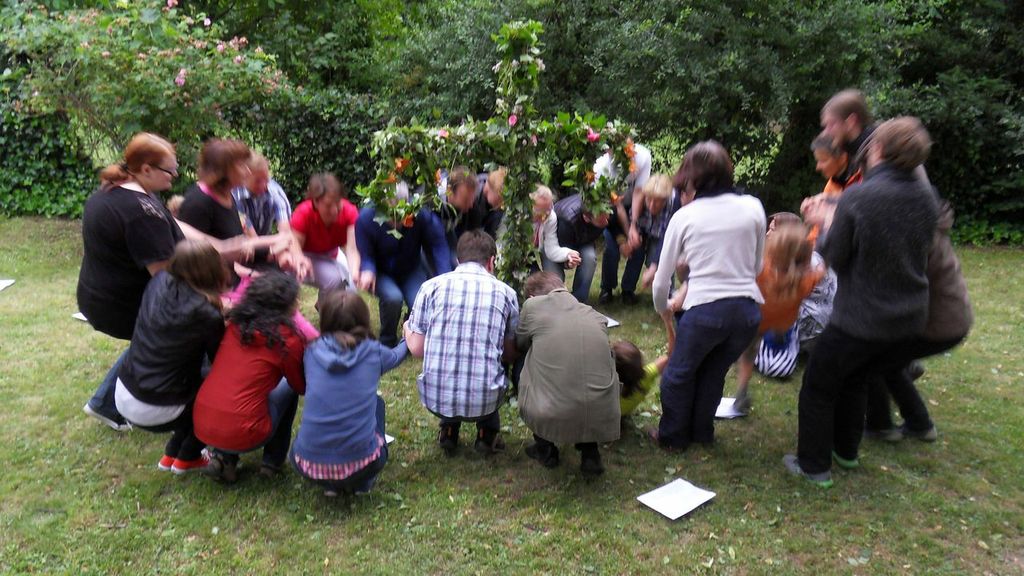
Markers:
<point>250,396</point>
<point>322,223</point>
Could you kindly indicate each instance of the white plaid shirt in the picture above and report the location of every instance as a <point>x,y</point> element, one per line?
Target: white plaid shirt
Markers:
<point>466,315</point>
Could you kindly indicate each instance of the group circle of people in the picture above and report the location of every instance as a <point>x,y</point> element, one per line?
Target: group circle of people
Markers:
<point>206,289</point>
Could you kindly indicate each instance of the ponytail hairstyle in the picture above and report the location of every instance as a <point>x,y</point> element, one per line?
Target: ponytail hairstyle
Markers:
<point>144,148</point>
<point>629,363</point>
<point>788,253</point>
<point>218,158</point>
<point>345,316</point>
<point>322,184</point>
<point>268,303</point>
<point>197,263</point>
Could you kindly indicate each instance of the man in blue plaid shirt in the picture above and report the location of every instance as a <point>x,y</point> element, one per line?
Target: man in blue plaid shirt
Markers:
<point>462,324</point>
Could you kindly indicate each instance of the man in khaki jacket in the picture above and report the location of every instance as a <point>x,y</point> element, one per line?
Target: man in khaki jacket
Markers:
<point>569,391</point>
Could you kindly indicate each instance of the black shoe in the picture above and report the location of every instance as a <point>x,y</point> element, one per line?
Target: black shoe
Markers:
<point>629,298</point>
<point>222,467</point>
<point>448,438</point>
<point>488,442</point>
<point>604,297</point>
<point>590,465</point>
<point>915,370</point>
<point>546,455</point>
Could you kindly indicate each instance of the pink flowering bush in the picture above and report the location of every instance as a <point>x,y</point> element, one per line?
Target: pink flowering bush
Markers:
<point>137,66</point>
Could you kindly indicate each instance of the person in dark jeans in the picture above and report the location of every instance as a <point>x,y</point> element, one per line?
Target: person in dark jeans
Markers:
<point>877,243</point>
<point>720,233</point>
<point>949,320</point>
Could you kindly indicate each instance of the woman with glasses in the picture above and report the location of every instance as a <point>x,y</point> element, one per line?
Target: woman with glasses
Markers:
<point>128,236</point>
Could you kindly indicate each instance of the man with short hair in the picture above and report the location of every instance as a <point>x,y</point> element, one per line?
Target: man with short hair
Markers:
<point>578,229</point>
<point>461,324</point>
<point>846,118</point>
<point>262,200</point>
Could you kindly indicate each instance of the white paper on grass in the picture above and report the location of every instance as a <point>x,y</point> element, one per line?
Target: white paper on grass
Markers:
<point>79,316</point>
<point>727,411</point>
<point>675,499</point>
<point>612,323</point>
<point>388,438</point>
<point>5,283</point>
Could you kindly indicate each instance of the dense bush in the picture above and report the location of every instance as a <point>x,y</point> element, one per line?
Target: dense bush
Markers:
<point>314,131</point>
<point>42,168</point>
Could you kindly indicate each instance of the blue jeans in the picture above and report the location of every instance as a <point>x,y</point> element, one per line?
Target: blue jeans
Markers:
<point>363,480</point>
<point>282,403</point>
<point>102,401</point>
<point>584,272</point>
<point>709,338</point>
<point>610,265</point>
<point>391,292</point>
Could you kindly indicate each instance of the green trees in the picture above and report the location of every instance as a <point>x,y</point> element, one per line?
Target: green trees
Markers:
<point>752,74</point>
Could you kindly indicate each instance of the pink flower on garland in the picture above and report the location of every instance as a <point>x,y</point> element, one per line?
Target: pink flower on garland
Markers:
<point>512,120</point>
<point>207,22</point>
<point>172,3</point>
<point>533,139</point>
<point>592,136</point>
<point>180,78</point>
<point>442,133</point>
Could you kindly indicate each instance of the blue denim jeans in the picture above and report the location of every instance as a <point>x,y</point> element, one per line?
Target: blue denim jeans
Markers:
<point>282,403</point>
<point>391,291</point>
<point>102,401</point>
<point>610,264</point>
<point>709,338</point>
<point>584,272</point>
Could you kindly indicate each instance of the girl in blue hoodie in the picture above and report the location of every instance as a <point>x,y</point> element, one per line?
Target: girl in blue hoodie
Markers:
<point>340,445</point>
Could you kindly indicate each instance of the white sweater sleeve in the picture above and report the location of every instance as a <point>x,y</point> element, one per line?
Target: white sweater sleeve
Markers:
<point>549,239</point>
<point>670,249</point>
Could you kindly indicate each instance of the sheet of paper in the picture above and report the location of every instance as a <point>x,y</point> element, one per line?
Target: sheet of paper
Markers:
<point>675,499</point>
<point>612,323</point>
<point>5,283</point>
<point>727,411</point>
<point>79,316</point>
<point>388,438</point>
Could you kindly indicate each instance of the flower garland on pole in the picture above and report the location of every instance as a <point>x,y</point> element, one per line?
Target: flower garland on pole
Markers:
<point>513,137</point>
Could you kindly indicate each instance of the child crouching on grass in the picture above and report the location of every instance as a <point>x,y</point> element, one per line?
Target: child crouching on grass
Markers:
<point>788,276</point>
<point>340,445</point>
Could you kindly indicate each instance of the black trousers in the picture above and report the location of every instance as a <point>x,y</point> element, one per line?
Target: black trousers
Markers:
<point>183,444</point>
<point>587,449</point>
<point>896,381</point>
<point>833,398</point>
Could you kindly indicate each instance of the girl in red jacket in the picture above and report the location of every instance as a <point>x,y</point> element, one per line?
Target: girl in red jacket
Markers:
<point>249,399</point>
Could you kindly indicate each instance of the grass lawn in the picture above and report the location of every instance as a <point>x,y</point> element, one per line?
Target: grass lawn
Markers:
<point>76,497</point>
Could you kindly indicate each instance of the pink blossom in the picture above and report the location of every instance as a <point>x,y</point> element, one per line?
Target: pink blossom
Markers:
<point>592,136</point>
<point>207,22</point>
<point>442,133</point>
<point>238,59</point>
<point>220,47</point>
<point>172,3</point>
<point>180,79</point>
<point>105,54</point>
<point>512,120</point>
<point>533,139</point>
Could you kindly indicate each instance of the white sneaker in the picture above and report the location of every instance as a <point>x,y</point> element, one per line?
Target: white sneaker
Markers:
<point>111,423</point>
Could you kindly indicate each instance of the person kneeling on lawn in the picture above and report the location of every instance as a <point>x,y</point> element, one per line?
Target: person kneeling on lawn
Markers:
<point>462,324</point>
<point>569,392</point>
<point>249,399</point>
<point>341,444</point>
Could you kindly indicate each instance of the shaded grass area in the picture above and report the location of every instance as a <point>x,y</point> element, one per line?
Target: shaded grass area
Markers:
<point>76,497</point>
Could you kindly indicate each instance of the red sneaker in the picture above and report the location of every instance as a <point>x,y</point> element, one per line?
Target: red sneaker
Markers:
<point>184,466</point>
<point>165,463</point>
